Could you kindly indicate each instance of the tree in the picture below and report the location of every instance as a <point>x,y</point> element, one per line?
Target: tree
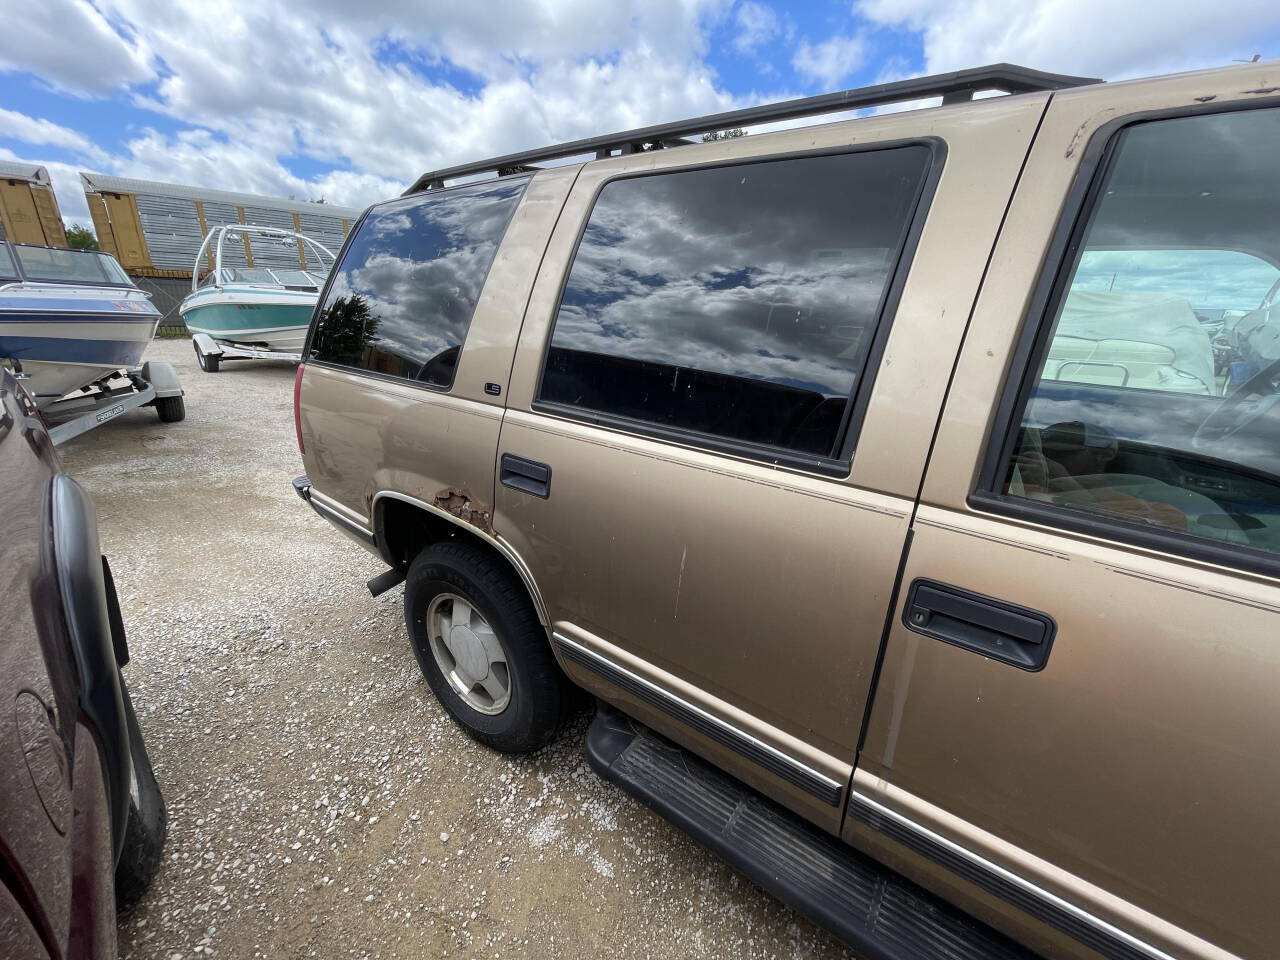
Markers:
<point>80,238</point>
<point>733,133</point>
<point>346,327</point>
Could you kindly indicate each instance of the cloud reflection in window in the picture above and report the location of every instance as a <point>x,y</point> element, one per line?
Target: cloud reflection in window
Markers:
<point>738,301</point>
<point>411,279</point>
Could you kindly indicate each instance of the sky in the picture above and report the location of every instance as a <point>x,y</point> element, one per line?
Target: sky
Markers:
<point>352,101</point>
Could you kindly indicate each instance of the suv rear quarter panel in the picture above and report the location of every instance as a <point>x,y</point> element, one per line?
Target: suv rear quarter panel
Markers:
<point>365,434</point>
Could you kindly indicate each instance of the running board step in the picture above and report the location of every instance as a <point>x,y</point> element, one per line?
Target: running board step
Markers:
<point>878,913</point>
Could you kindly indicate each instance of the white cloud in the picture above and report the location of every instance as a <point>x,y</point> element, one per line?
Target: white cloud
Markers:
<point>335,84</point>
<point>831,61</point>
<point>409,127</point>
<point>493,38</point>
<point>205,159</point>
<point>1112,39</point>
<point>18,126</point>
<point>201,157</point>
<point>71,45</point>
<point>381,91</point>
<point>757,24</point>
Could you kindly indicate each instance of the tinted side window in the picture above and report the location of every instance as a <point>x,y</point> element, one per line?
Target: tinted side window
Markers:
<point>402,297</point>
<point>1156,396</point>
<point>736,301</point>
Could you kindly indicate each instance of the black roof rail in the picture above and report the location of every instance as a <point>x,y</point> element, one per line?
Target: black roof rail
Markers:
<point>956,87</point>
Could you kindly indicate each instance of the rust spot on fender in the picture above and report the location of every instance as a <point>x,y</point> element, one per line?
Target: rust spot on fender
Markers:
<point>458,502</point>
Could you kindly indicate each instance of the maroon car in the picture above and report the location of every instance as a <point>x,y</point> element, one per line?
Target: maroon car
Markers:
<point>82,822</point>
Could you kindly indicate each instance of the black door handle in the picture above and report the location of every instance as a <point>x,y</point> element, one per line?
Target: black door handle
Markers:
<point>996,629</point>
<point>527,476</point>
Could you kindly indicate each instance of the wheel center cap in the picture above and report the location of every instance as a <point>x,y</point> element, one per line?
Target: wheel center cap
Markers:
<point>469,652</point>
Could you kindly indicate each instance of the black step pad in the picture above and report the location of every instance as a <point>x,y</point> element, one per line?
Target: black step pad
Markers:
<point>880,914</point>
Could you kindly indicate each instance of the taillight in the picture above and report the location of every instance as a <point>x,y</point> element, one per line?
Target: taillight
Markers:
<point>297,411</point>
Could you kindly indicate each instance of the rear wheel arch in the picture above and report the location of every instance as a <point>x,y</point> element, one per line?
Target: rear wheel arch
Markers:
<point>405,526</point>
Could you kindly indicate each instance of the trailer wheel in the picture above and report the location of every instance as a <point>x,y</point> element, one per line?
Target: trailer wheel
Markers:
<point>171,409</point>
<point>208,364</point>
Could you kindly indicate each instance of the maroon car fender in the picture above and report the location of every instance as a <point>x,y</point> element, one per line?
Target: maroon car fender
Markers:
<point>87,606</point>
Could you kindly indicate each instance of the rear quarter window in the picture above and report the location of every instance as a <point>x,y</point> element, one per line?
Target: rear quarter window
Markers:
<point>402,296</point>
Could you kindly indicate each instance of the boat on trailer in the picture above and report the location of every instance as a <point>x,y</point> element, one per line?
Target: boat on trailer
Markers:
<point>252,312</point>
<point>73,327</point>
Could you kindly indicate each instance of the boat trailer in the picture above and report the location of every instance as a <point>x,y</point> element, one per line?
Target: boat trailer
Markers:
<point>210,352</point>
<point>154,384</point>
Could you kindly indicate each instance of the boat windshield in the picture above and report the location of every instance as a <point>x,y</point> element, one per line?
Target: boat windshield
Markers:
<point>298,278</point>
<point>7,270</point>
<point>248,275</point>
<point>70,266</point>
<point>275,278</point>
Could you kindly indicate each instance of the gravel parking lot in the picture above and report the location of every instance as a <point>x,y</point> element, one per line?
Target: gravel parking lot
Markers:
<point>321,803</point>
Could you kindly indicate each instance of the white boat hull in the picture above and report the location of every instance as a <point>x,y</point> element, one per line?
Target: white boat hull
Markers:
<point>286,340</point>
<point>264,318</point>
<point>65,341</point>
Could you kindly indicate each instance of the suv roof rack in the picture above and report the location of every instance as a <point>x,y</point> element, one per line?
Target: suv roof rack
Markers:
<point>956,87</point>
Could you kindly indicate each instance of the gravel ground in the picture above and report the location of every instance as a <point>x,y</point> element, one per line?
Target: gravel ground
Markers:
<point>321,803</point>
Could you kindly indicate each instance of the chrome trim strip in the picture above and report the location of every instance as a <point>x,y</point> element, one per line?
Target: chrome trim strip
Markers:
<point>320,503</point>
<point>333,506</point>
<point>493,539</point>
<point>1049,908</point>
<point>726,734</point>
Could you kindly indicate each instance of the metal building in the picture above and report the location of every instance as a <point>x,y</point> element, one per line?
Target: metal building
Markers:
<point>28,208</point>
<point>155,231</point>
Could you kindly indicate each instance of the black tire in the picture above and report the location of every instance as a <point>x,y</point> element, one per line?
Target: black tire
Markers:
<point>148,821</point>
<point>209,364</point>
<point>171,409</point>
<point>540,695</point>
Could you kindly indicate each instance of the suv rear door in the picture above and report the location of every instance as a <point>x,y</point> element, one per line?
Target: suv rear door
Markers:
<point>1076,730</point>
<point>677,462</point>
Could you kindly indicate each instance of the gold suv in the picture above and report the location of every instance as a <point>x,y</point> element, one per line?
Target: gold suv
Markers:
<point>905,488</point>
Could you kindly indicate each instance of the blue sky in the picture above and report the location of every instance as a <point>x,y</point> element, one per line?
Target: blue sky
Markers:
<point>350,102</point>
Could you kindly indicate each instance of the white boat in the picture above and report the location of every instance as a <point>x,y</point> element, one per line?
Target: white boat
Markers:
<point>69,318</point>
<point>243,311</point>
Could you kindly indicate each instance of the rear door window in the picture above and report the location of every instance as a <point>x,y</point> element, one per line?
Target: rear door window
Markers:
<point>736,304</point>
<point>1155,398</point>
<point>401,299</point>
